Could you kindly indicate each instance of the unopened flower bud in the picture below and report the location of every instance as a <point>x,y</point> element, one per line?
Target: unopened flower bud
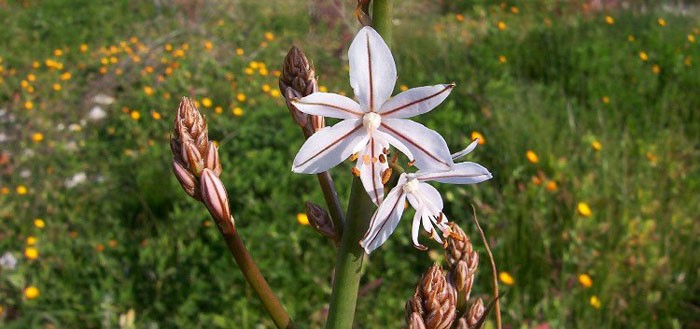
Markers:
<point>475,315</point>
<point>187,180</point>
<point>215,198</point>
<point>461,279</point>
<point>194,159</point>
<point>298,79</point>
<point>459,247</point>
<point>433,300</point>
<point>212,159</point>
<point>321,220</point>
<point>415,321</point>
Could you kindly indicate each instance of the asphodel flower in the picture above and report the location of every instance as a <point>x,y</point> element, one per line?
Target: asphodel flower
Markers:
<point>425,199</point>
<point>373,123</point>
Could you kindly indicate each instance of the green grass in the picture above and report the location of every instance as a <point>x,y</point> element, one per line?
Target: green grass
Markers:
<point>129,239</point>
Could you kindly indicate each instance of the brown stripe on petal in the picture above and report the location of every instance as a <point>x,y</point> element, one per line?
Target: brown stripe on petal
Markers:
<point>410,141</point>
<point>329,146</point>
<point>329,105</point>
<point>371,223</point>
<point>450,86</point>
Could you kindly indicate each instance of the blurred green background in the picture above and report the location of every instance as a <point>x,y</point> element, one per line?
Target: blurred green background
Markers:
<point>589,111</point>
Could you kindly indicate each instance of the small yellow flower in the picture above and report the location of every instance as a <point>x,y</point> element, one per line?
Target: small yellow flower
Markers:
<point>37,137</point>
<point>241,97</point>
<point>135,115</point>
<point>168,47</point>
<point>266,88</point>
<point>514,10</point>
<point>275,93</point>
<point>28,105</point>
<point>31,292</point>
<point>459,17</point>
<point>302,219</point>
<point>596,145</point>
<point>237,111</point>
<point>263,71</point>
<point>239,51</point>
<point>218,110</point>
<point>536,180</point>
<point>65,76</point>
<point>156,115</point>
<point>691,38</point>
<point>651,157</point>
<point>31,253</point>
<point>179,53</point>
<point>630,38</point>
<point>506,278</point>
<point>502,26</point>
<point>21,189</point>
<point>104,61</point>
<point>661,21</point>
<point>83,48</point>
<point>58,52</point>
<point>31,240</point>
<point>605,100</point>
<point>112,243</point>
<point>532,156</point>
<point>30,77</point>
<point>688,61</point>
<point>595,302</point>
<point>208,45</point>
<point>477,135</point>
<point>502,59</point>
<point>656,69</point>
<point>583,209</point>
<point>551,186</point>
<point>585,280</point>
<point>249,71</point>
<point>269,36</point>
<point>4,190</point>
<point>36,64</point>
<point>39,223</point>
<point>403,87</point>
<point>609,20</point>
<point>206,102</point>
<point>113,60</point>
<point>643,56</point>
<point>322,89</point>
<point>57,87</point>
<point>103,70</point>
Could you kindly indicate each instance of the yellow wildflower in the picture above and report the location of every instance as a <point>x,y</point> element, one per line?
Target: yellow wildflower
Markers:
<point>459,17</point>
<point>30,77</point>
<point>532,156</point>
<point>103,70</point>
<point>168,47</point>
<point>609,20</point>
<point>4,190</point>
<point>595,302</point>
<point>661,21</point>
<point>536,180</point>
<point>58,52</point>
<point>605,99</point>
<point>21,189</point>
<point>219,110</point>
<point>156,115</point>
<point>237,111</point>
<point>31,253</point>
<point>135,115</point>
<point>39,223</point>
<point>691,38</point>
<point>506,278</point>
<point>583,209</point>
<point>206,102</point>
<point>651,157</point>
<point>275,93</point>
<point>65,76</point>
<point>403,87</point>
<point>113,60</point>
<point>502,25</point>
<point>322,89</point>
<point>83,48</point>
<point>630,38</point>
<point>179,53</point>
<point>596,145</point>
<point>57,87</point>
<point>302,219</point>
<point>239,51</point>
<point>265,88</point>
<point>208,45</point>
<point>269,36</point>
<point>656,69</point>
<point>148,90</point>
<point>687,61</point>
<point>502,59</point>
<point>475,134</point>
<point>551,186</point>
<point>28,105</point>
<point>112,243</point>
<point>37,137</point>
<point>585,280</point>
<point>31,240</point>
<point>36,64</point>
<point>241,97</point>
<point>31,292</point>
<point>263,71</point>
<point>643,56</point>
<point>248,71</point>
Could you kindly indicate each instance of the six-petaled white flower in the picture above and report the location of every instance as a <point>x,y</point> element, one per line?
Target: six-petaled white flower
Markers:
<point>373,123</point>
<point>425,199</point>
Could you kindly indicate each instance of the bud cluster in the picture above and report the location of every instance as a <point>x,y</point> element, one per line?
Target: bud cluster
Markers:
<point>433,303</point>
<point>196,163</point>
<point>298,79</point>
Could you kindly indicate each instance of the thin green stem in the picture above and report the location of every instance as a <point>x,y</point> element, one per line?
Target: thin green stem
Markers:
<point>348,265</point>
<point>256,279</point>
<point>381,18</point>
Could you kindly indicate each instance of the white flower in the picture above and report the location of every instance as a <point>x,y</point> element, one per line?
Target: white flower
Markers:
<point>375,121</point>
<point>422,197</point>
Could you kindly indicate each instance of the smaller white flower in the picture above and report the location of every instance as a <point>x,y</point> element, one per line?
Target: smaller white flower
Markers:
<point>425,199</point>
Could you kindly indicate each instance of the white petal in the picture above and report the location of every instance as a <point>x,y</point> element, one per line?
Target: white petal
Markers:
<point>415,230</point>
<point>467,150</point>
<point>388,139</point>
<point>371,169</point>
<point>461,173</point>
<point>415,101</point>
<point>385,220</point>
<point>431,199</point>
<point>372,69</point>
<point>329,105</point>
<point>328,147</point>
<point>428,148</point>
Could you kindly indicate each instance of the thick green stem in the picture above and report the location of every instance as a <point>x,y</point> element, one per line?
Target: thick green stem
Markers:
<point>348,265</point>
<point>256,280</point>
<point>381,18</point>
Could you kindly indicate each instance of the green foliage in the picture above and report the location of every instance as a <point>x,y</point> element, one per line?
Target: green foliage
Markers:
<point>555,78</point>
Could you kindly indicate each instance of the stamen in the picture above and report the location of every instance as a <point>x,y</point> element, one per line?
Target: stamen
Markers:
<point>410,163</point>
<point>382,158</point>
<point>353,156</point>
<point>386,175</point>
<point>355,172</point>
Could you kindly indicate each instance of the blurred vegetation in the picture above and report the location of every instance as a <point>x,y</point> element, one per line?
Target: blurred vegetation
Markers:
<point>605,97</point>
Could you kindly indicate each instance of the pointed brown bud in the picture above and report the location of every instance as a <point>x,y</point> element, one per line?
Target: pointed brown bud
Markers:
<point>461,279</point>
<point>215,198</point>
<point>320,220</point>
<point>212,159</point>
<point>194,159</point>
<point>415,321</point>
<point>459,247</point>
<point>187,180</point>
<point>433,300</point>
<point>476,312</point>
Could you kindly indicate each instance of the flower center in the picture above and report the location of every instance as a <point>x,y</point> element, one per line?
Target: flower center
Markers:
<point>411,186</point>
<point>371,121</point>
